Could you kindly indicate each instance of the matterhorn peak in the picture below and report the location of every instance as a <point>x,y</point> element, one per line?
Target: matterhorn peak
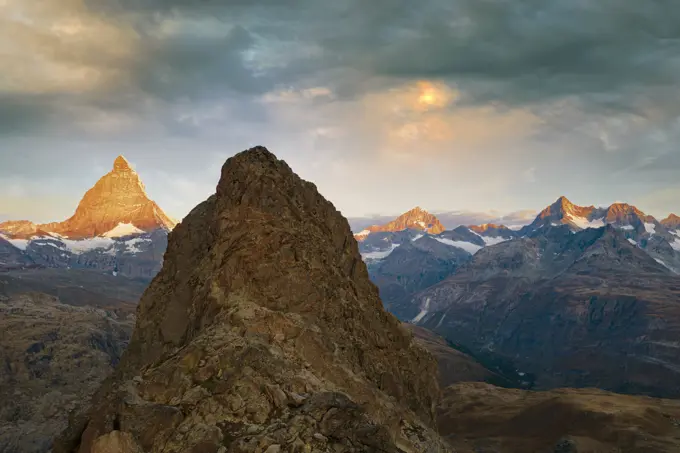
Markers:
<point>118,199</point>
<point>121,164</point>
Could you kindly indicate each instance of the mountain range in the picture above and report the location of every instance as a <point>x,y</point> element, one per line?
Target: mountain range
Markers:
<point>581,296</point>
<point>262,331</point>
<point>454,219</point>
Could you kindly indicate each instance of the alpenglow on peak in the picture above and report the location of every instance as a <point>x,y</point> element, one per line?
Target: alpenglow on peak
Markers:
<point>121,164</point>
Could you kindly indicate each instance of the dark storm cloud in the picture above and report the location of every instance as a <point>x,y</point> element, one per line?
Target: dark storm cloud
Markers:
<point>611,54</point>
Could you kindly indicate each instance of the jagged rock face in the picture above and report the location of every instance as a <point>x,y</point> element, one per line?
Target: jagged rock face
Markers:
<point>117,198</point>
<point>415,219</point>
<point>263,333</point>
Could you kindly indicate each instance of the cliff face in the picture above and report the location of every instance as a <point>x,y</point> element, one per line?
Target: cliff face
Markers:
<point>262,332</point>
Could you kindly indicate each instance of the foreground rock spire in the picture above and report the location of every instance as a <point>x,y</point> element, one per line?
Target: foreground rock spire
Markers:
<point>263,333</point>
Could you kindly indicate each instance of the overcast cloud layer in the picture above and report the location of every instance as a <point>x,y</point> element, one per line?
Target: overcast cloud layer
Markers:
<point>448,104</point>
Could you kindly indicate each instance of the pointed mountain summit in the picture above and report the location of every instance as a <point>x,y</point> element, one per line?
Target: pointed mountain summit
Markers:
<point>671,222</point>
<point>117,199</point>
<point>564,212</point>
<point>116,205</point>
<point>263,332</point>
<point>415,219</point>
<point>121,165</point>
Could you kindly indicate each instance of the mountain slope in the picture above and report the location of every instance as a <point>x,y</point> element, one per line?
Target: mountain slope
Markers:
<point>262,332</point>
<point>672,222</point>
<point>412,267</point>
<point>479,417</point>
<point>583,309</point>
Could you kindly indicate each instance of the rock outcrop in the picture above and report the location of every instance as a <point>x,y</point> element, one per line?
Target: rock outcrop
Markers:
<point>263,333</point>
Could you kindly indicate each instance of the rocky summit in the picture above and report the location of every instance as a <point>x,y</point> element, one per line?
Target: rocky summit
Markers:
<point>262,333</point>
<point>415,219</point>
<point>117,199</point>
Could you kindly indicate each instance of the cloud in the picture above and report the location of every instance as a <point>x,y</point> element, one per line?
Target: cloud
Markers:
<point>473,92</point>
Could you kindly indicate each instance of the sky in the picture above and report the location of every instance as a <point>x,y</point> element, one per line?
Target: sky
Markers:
<point>385,105</point>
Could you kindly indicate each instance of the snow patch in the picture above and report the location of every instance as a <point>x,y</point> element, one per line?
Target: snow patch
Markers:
<point>627,227</point>
<point>650,228</point>
<point>467,246</point>
<point>417,237</point>
<point>493,241</point>
<point>133,244</point>
<point>584,223</point>
<point>676,232</point>
<point>122,229</point>
<point>632,241</point>
<point>85,245</point>
<point>662,263</point>
<point>379,255</point>
<point>21,244</point>
<point>422,313</point>
<point>441,321</point>
<point>676,245</point>
<point>422,224</point>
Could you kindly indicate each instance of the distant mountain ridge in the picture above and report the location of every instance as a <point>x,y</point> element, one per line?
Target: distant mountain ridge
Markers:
<point>661,240</point>
<point>602,281</point>
<point>415,219</point>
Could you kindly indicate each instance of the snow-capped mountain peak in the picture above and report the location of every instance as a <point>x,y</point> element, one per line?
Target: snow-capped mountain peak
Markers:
<point>415,219</point>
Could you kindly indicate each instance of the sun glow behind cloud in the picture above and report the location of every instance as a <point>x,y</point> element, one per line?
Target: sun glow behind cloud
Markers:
<point>384,92</point>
